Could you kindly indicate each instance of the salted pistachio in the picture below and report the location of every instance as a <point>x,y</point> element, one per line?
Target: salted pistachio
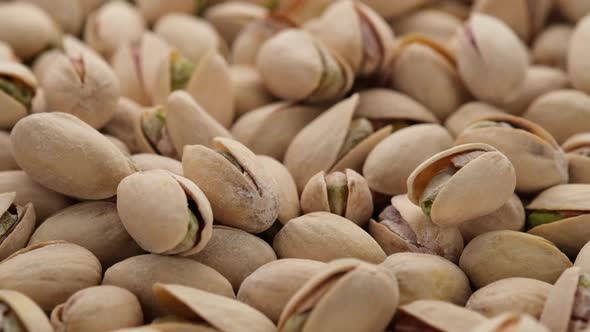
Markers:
<point>420,67</point>
<point>50,272</point>
<point>506,254</point>
<point>16,224</point>
<point>577,153</point>
<point>344,294</point>
<point>397,9</point>
<point>17,90</point>
<point>44,62</point>
<point>550,48</point>
<point>67,14</point>
<point>170,326</point>
<point>150,161</point>
<point>118,143</point>
<point>316,74</point>
<point>434,24</point>
<point>518,295</point>
<point>93,225</point>
<point>346,194</point>
<point>492,61</point>
<point>572,118</point>
<point>81,83</point>
<point>560,214</point>
<point>152,10</point>
<point>435,316</point>
<point>573,10</point>
<point>537,158</point>
<point>509,216</point>
<point>7,53</point>
<point>298,11</point>
<point>124,125</point>
<point>137,274</point>
<point>512,322</point>
<point>467,114</point>
<point>249,90</point>
<point>459,9</point>
<point>98,308</point>
<point>269,288</point>
<point>583,258</point>
<point>229,18</point>
<point>577,53</point>
<point>24,19</point>
<point>63,153</point>
<point>391,162</point>
<point>449,187</point>
<point>286,189</point>
<point>327,237</point>
<point>402,227</point>
<point>21,314</point>
<point>428,277</point>
<point>241,192</point>
<point>7,161</point>
<point>217,312</point>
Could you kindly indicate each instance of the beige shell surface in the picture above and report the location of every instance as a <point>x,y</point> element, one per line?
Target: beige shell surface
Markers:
<point>249,90</point>
<point>576,141</point>
<point>323,237</point>
<point>504,254</point>
<point>7,161</point>
<point>31,316</point>
<point>125,124</point>
<point>355,158</point>
<point>150,161</point>
<point>381,103</point>
<point>563,197</point>
<point>577,52</point>
<point>230,18</point>
<point>17,236</point>
<point>435,24</point>
<point>13,110</point>
<point>152,10</point>
<point>286,189</point>
<point>569,234</point>
<point>579,168</point>
<point>560,301</point>
<point>513,322</point>
<point>394,10</point>
<point>118,143</point>
<point>583,259</point>
<point>551,45</point>
<point>468,113</point>
<point>443,316</point>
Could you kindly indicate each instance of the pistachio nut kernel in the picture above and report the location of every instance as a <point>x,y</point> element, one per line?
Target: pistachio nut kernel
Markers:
<point>337,188</point>
<point>153,125</point>
<point>181,70</point>
<point>192,233</point>
<point>18,90</point>
<point>8,220</point>
<point>542,217</point>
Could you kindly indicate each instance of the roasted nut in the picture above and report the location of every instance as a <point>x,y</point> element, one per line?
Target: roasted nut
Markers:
<point>436,316</point>
<point>152,10</point>
<point>249,90</point>
<point>6,52</point>
<point>394,10</point>
<point>467,114</point>
<point>435,25</point>
<point>576,55</point>
<point>20,313</point>
<point>229,18</point>
<point>577,151</point>
<point>286,189</point>
<point>7,161</point>
<point>573,10</point>
<point>551,46</point>
<point>511,322</point>
<point>17,90</point>
<point>118,143</point>
<point>67,14</point>
<point>16,224</point>
<point>150,161</point>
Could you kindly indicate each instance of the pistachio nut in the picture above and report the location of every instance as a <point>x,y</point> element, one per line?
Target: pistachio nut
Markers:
<point>118,143</point>
<point>327,237</point>
<point>420,67</point>
<point>518,295</point>
<point>98,308</point>
<point>428,277</point>
<point>16,224</point>
<point>229,18</point>
<point>50,272</point>
<point>20,313</point>
<point>170,327</point>
<point>68,15</point>
<point>492,60</point>
<point>434,24</point>
<point>449,189</point>
<point>63,153</point>
<point>17,90</point>
<point>316,74</point>
<point>152,10</point>
<point>572,118</point>
<point>298,11</point>
<point>137,274</point>
<point>124,124</point>
<point>150,161</point>
<point>286,189</point>
<point>577,150</point>
<point>240,190</point>
<point>510,216</point>
<point>113,24</point>
<point>550,48</point>
<point>583,258</point>
<point>45,201</point>
<point>249,90</point>
<point>577,52</point>
<point>459,9</point>
<point>506,254</point>
<point>270,129</point>
<point>346,194</point>
<point>21,19</point>
<point>512,322</point>
<point>391,162</point>
<point>538,160</point>
<point>573,10</point>
<point>93,225</point>
<point>7,161</point>
<point>391,10</point>
<point>402,227</point>
<point>435,316</point>
<point>269,288</point>
<point>467,114</point>
<point>7,53</point>
<point>344,294</point>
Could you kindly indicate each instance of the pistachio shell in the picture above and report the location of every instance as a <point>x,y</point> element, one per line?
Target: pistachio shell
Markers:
<point>551,46</point>
<point>269,288</point>
<point>16,237</point>
<point>29,315</point>
<point>50,272</point>
<point>170,327</point>
<point>518,295</point>
<point>97,308</point>
<point>285,189</point>
<point>12,109</point>
<point>138,274</point>
<point>577,53</point>
<point>118,143</point>
<point>219,312</point>
<point>583,259</point>
<point>249,90</point>
<point>433,24</point>
<point>579,164</point>
<point>437,316</point>
<point>65,154</point>
<point>254,35</point>
<point>467,114</point>
<point>93,225</point>
<point>7,161</point>
<point>559,306</point>
<point>511,322</point>
<point>68,15</point>
<point>149,161</point>
<point>573,10</point>
<point>125,124</point>
<point>385,104</point>
<point>229,18</point>
<point>152,10</point>
<point>391,10</point>
<point>505,254</point>
<point>323,237</point>
<point>7,53</point>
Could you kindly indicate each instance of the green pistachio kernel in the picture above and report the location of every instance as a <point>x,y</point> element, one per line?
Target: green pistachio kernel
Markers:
<point>337,187</point>
<point>584,281</point>
<point>231,159</point>
<point>399,124</point>
<point>538,218</point>
<point>181,70</point>
<point>191,235</point>
<point>359,129</point>
<point>152,123</point>
<point>17,90</point>
<point>7,220</point>
<point>296,322</point>
<point>271,4</point>
<point>332,81</point>
<point>426,206</point>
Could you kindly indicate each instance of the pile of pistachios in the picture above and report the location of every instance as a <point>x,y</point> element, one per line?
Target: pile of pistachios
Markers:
<point>295,166</point>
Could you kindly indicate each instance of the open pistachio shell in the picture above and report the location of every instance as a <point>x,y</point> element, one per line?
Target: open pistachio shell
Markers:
<point>577,53</point>
<point>21,313</point>
<point>270,287</point>
<point>391,10</point>
<point>285,189</point>
<point>385,104</point>
<point>323,237</point>
<point>436,316</point>
<point>519,295</point>
<point>229,18</point>
<point>97,308</point>
<point>7,53</point>
<point>64,154</point>
<point>240,190</point>
<point>16,222</point>
<point>344,294</point>
<point>505,254</point>
<point>249,90</point>
<point>537,159</point>
<point>424,277</point>
<point>512,322</point>
<point>583,258</point>
<point>150,161</point>
<point>7,161</point>
<point>467,114</point>
<point>138,274</point>
<point>126,118</point>
<point>93,225</point>
<point>219,312</point>
<point>434,24</point>
<point>576,153</point>
<point>17,89</point>
<point>573,10</point>
<point>551,46</point>
<point>565,309</point>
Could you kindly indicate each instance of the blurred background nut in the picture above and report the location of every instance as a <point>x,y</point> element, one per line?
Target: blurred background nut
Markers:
<point>69,15</point>
<point>286,189</point>
<point>436,25</point>
<point>6,52</point>
<point>468,113</point>
<point>577,153</point>
<point>434,315</point>
<point>7,161</point>
<point>229,18</point>
<point>17,90</point>
<point>511,322</point>
<point>249,90</point>
<point>21,313</point>
<point>577,54</point>
<point>394,10</point>
<point>550,48</point>
<point>150,161</point>
<point>152,10</point>
<point>573,10</point>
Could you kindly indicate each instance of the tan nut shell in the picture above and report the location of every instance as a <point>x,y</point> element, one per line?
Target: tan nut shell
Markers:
<point>17,236</point>
<point>152,10</point>
<point>360,297</point>
<point>396,9</point>
<point>254,35</point>
<point>68,15</point>
<point>505,254</point>
<point>434,24</point>
<point>467,114</point>
<point>150,161</point>
<point>30,315</point>
<point>229,18</point>
<point>577,53</point>
<point>7,161</point>
<point>323,237</point>
<point>93,225</point>
<point>249,90</point>
<point>285,189</point>
<point>551,46</point>
<point>221,313</point>
<point>520,295</point>
<point>466,195</point>
<point>583,259</point>
<point>511,322</point>
<point>138,274</point>
<point>65,154</point>
<point>118,143</point>
<point>579,165</point>
<point>12,110</point>
<point>442,316</point>
<point>381,103</point>
<point>558,309</point>
<point>125,125</point>
<point>269,288</point>
<point>50,272</point>
<point>252,206</point>
<point>170,327</point>
<point>97,308</point>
